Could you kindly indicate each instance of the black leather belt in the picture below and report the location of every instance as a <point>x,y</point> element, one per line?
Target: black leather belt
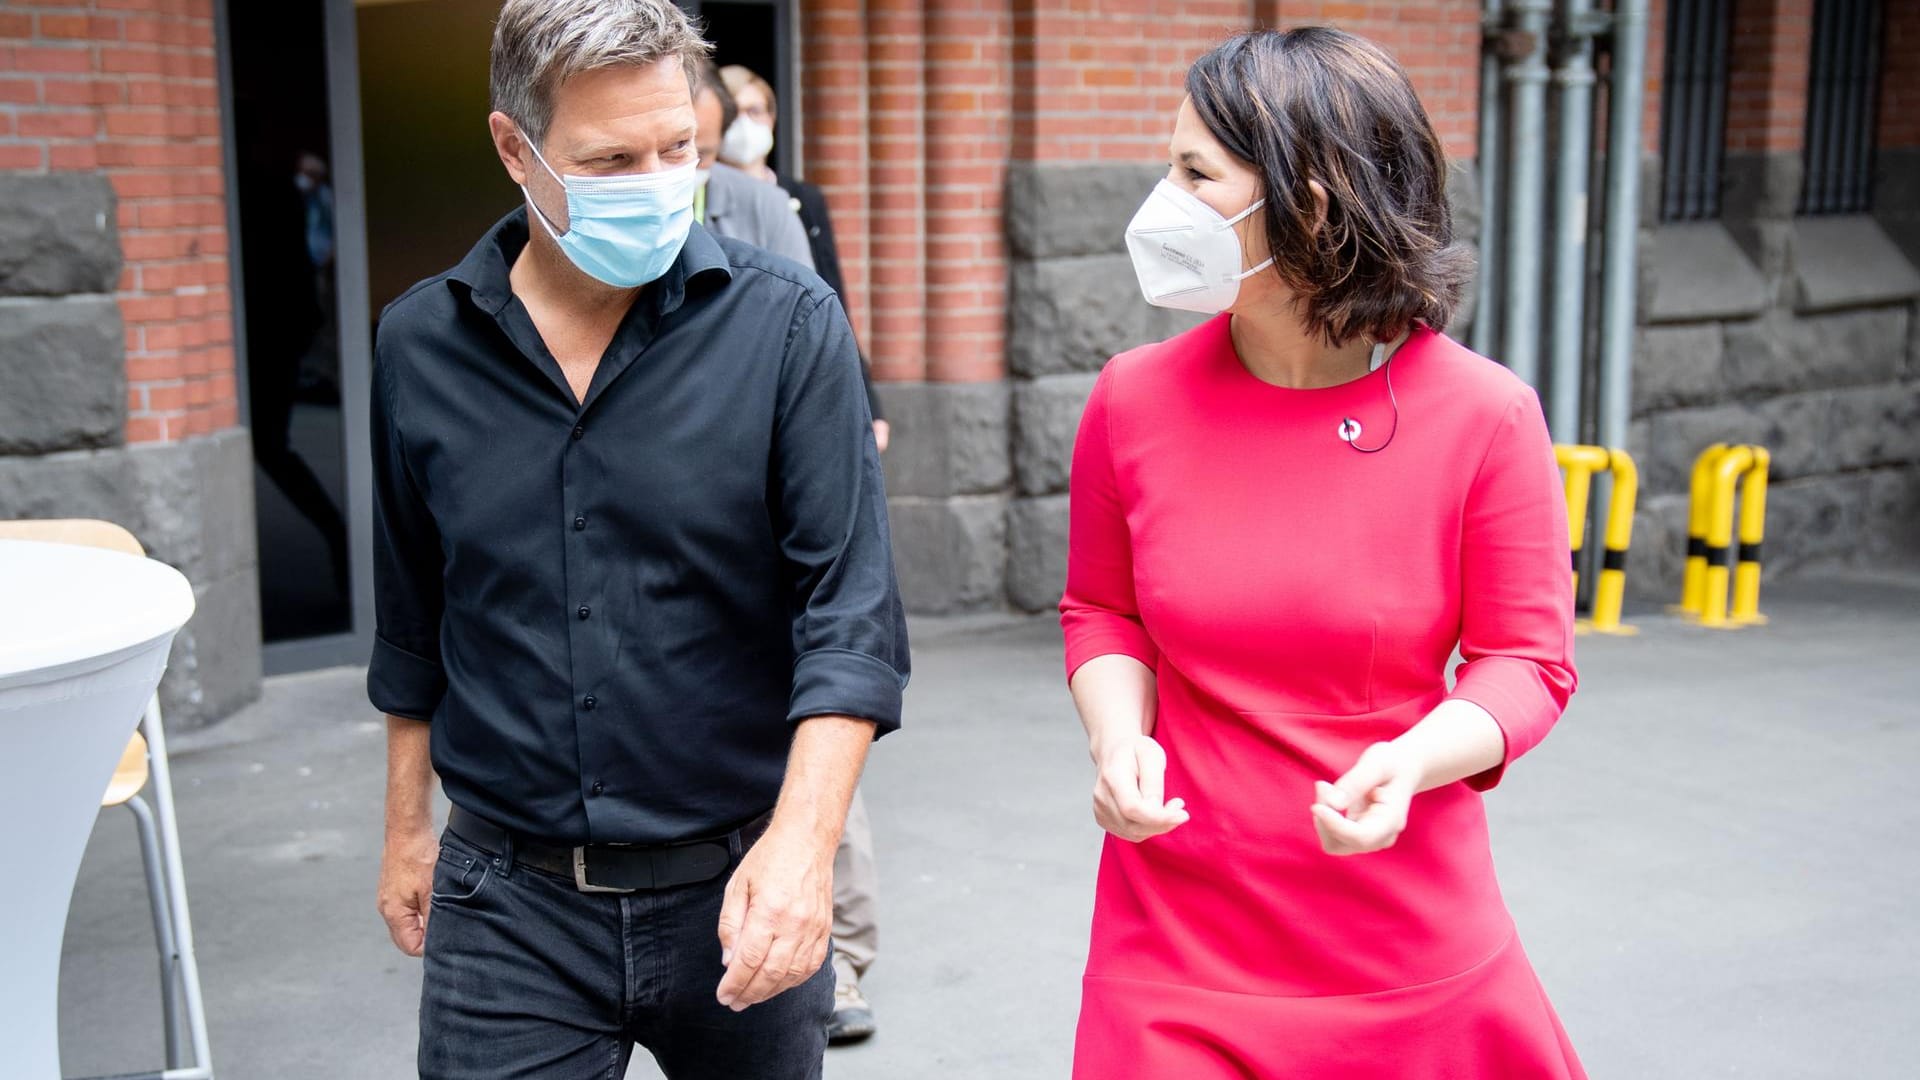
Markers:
<point>613,868</point>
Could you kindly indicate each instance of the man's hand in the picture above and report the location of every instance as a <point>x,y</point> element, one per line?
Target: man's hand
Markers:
<point>777,918</point>
<point>882,434</point>
<point>1366,810</point>
<point>1128,793</point>
<point>406,887</point>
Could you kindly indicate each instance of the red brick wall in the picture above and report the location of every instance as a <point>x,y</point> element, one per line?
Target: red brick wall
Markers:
<point>129,88</point>
<point>969,129</point>
<point>1100,80</point>
<point>1900,76</point>
<point>896,187</point>
<point>1767,76</point>
<point>834,104</point>
<point>913,111</point>
<point>1437,41</point>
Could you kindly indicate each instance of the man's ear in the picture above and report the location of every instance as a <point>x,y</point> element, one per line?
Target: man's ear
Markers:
<point>509,144</point>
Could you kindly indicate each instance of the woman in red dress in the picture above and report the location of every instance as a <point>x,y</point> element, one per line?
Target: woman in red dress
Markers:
<point>1284,523</point>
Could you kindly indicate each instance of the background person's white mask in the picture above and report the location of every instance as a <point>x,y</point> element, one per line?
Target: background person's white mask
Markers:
<point>1185,254</point>
<point>747,142</point>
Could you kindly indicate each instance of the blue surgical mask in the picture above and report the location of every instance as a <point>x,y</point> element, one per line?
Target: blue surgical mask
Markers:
<point>623,230</point>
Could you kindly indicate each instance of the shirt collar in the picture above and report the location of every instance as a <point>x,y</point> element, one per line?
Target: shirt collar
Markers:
<point>485,269</point>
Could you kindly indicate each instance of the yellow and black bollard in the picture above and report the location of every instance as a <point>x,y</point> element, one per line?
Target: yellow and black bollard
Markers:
<point>1753,525</point>
<point>1693,589</point>
<point>1580,464</point>
<point>1721,472</point>
<point>1727,469</point>
<point>1610,590</point>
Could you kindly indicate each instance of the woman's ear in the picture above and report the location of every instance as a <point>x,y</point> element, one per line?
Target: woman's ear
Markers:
<point>1321,201</point>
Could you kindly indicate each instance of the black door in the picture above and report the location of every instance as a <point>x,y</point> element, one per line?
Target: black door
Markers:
<point>283,184</point>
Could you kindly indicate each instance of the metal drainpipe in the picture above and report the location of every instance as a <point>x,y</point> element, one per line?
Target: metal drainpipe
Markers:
<point>1573,86</point>
<point>1526,200</point>
<point>1619,244</point>
<point>1486,315</point>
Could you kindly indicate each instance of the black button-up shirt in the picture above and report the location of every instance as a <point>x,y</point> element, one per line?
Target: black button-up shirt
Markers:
<point>614,610</point>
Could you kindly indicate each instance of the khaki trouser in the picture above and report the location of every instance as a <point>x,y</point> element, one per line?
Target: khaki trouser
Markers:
<point>856,936</point>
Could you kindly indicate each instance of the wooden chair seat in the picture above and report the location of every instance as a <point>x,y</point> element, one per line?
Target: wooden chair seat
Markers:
<point>130,775</point>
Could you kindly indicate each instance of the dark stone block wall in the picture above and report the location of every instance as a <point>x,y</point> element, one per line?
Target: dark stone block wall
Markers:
<point>63,402</point>
<point>1798,334</point>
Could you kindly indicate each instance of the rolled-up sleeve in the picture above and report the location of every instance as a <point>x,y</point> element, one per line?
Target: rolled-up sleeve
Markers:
<point>1099,615</point>
<point>830,511</point>
<point>405,676</point>
<point>1516,622</point>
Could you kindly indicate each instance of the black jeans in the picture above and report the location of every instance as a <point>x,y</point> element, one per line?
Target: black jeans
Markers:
<point>526,976</point>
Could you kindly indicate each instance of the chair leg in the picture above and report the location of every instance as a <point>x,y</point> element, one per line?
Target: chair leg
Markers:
<point>161,784</point>
<point>163,936</point>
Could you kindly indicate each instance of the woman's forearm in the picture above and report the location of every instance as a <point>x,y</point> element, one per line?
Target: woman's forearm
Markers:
<point>1116,697</point>
<point>1456,740</point>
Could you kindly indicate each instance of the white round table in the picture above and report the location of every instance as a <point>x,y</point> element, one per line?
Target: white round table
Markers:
<point>84,635</point>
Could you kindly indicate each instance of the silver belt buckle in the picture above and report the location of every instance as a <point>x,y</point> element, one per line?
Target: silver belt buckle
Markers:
<point>580,876</point>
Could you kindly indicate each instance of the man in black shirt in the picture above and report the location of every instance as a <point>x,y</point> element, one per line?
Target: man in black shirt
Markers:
<point>636,605</point>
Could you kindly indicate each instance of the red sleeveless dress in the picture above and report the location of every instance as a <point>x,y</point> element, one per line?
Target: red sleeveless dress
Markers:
<point>1300,601</point>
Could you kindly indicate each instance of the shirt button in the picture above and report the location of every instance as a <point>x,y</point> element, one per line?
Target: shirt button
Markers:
<point>580,523</point>
<point>589,702</point>
<point>579,432</point>
<point>598,787</point>
<point>585,611</point>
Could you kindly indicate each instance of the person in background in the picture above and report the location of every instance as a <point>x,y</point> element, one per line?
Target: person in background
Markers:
<point>285,315</point>
<point>856,884</point>
<point>750,138</point>
<point>729,202</point>
<point>1282,524</point>
<point>748,142</point>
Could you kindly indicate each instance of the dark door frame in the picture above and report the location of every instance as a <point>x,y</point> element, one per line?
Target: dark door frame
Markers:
<point>356,348</point>
<point>785,78</point>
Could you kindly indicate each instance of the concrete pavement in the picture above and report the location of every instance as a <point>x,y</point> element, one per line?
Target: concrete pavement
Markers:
<point>1712,862</point>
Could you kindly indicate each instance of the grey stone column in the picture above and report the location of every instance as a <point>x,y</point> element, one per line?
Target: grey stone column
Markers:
<point>63,400</point>
<point>947,477</point>
<point>1074,303</point>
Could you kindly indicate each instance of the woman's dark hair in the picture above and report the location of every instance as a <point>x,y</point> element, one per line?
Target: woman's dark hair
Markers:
<point>1317,104</point>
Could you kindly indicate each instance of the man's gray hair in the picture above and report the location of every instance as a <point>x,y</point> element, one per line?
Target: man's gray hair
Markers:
<point>539,44</point>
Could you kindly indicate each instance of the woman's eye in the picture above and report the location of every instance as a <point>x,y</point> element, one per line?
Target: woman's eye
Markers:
<point>1196,174</point>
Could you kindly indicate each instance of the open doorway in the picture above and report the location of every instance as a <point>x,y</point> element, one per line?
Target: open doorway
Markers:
<point>757,35</point>
<point>434,184</point>
<point>283,182</point>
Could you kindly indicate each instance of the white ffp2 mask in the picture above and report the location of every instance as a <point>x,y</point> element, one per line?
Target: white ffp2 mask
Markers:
<point>747,142</point>
<point>1185,254</point>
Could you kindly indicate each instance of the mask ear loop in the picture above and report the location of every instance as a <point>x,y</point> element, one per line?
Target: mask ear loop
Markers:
<point>1350,428</point>
<point>1228,223</point>
<point>545,221</point>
